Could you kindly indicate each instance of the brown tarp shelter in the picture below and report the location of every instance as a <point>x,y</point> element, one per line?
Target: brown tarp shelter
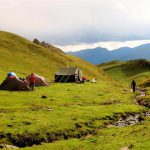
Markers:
<point>15,84</point>
<point>68,74</point>
<point>39,81</point>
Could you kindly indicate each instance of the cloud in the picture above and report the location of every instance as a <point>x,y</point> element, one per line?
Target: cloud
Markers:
<point>112,45</point>
<point>66,22</point>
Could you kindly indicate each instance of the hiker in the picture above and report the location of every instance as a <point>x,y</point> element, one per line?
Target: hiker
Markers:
<point>133,86</point>
<point>32,81</point>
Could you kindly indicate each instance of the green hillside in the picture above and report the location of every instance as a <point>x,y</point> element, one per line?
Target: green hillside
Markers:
<point>125,72</point>
<point>110,64</point>
<point>70,116</point>
<point>23,57</point>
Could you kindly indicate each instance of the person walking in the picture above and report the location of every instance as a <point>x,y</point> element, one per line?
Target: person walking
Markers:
<point>133,86</point>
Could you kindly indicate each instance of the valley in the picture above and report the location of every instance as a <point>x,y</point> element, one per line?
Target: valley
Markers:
<point>68,116</point>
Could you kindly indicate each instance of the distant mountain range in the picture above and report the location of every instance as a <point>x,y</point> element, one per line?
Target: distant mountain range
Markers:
<point>100,55</point>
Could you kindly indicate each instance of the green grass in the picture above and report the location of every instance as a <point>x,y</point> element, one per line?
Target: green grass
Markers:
<point>134,137</point>
<point>110,64</point>
<point>125,72</point>
<point>23,57</point>
<point>71,104</point>
<point>71,109</point>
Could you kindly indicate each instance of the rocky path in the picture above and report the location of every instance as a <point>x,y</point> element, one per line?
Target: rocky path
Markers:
<point>132,119</point>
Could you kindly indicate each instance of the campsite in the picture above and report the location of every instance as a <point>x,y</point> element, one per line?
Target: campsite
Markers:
<point>70,115</point>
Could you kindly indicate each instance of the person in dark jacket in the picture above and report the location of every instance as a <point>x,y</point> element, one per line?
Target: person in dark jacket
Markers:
<point>133,86</point>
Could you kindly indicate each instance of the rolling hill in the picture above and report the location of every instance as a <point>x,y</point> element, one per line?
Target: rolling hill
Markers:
<point>125,72</point>
<point>23,57</point>
<point>101,55</point>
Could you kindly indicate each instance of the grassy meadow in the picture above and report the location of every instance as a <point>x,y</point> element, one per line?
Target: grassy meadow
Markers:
<point>25,114</point>
<point>71,116</point>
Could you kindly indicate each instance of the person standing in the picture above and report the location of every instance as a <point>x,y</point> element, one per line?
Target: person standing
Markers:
<point>32,81</point>
<point>133,86</point>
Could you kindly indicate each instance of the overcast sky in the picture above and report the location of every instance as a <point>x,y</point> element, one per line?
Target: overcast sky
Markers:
<point>78,22</point>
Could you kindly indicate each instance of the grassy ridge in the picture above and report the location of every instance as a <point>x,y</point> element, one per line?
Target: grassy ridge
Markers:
<point>125,72</point>
<point>23,57</point>
<point>111,64</point>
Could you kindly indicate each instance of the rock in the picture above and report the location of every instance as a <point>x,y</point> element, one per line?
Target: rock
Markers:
<point>43,96</point>
<point>130,118</point>
<point>142,93</point>
<point>9,125</point>
<point>36,41</point>
<point>6,146</point>
<point>88,136</point>
<point>124,148</point>
<point>125,90</point>
<point>26,123</point>
<point>93,81</point>
<point>110,126</point>
<point>78,125</point>
<point>49,109</point>
<point>147,114</point>
<point>137,116</point>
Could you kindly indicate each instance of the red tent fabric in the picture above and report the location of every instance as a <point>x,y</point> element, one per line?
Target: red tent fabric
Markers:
<point>39,81</point>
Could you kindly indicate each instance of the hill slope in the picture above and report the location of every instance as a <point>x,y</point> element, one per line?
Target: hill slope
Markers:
<point>101,55</point>
<point>23,57</point>
<point>125,72</point>
<point>77,116</point>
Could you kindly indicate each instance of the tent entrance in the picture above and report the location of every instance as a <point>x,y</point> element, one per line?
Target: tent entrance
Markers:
<point>65,78</point>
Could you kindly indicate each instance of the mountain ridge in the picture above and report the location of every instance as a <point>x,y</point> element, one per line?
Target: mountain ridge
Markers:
<point>102,55</point>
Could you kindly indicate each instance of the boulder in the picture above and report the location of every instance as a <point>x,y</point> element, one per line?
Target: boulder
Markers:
<point>6,146</point>
<point>124,148</point>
